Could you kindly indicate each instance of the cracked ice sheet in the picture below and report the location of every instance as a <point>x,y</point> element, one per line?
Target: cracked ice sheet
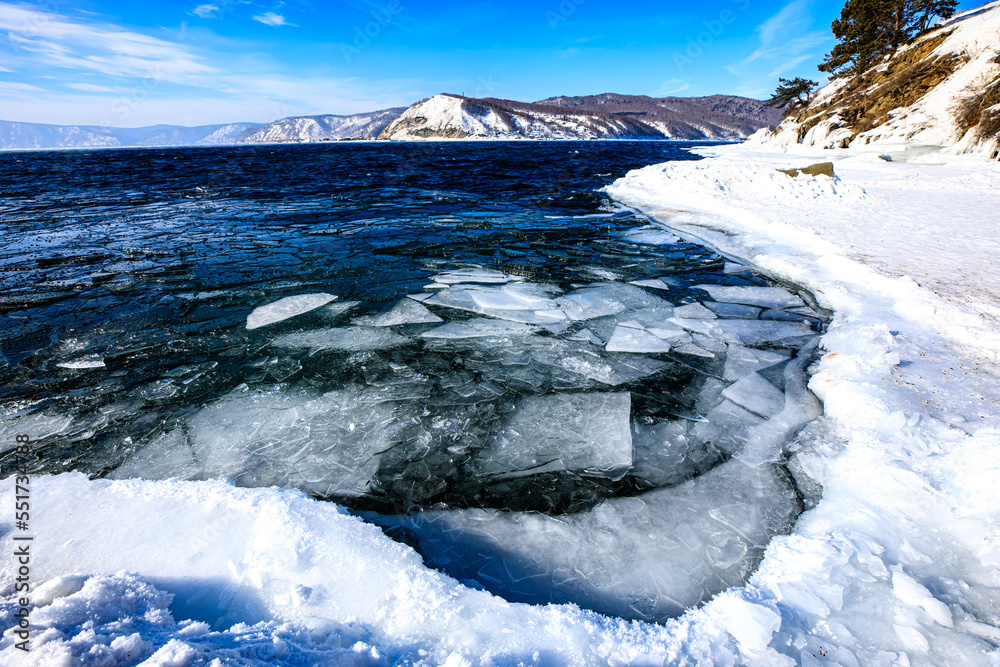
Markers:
<point>577,432</point>
<point>646,557</point>
<point>326,445</point>
<point>747,332</point>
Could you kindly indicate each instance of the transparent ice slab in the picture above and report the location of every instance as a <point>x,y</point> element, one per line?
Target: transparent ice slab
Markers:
<point>345,339</point>
<point>577,432</point>
<point>646,557</point>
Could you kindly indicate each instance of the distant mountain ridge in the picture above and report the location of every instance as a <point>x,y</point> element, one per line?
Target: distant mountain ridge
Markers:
<point>448,116</point>
<point>323,127</point>
<point>711,117</point>
<point>16,135</point>
<point>607,116</point>
<point>445,116</point>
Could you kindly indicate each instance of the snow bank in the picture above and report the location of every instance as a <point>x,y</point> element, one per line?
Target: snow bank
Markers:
<point>900,554</point>
<point>182,573</point>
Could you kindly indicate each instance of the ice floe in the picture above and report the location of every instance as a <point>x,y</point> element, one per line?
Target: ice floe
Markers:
<point>286,308</point>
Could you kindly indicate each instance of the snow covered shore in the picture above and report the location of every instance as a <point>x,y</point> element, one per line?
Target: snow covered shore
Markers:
<point>897,564</point>
<point>901,554</point>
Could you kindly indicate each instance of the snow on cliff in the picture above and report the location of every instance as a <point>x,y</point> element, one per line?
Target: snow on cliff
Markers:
<point>941,90</point>
<point>454,117</point>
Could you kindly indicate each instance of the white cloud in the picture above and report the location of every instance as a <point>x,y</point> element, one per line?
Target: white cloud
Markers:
<point>272,19</point>
<point>206,11</point>
<point>43,38</point>
<point>73,69</point>
<point>16,89</point>
<point>90,88</point>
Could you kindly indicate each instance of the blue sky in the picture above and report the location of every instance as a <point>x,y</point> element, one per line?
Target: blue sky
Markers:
<point>128,63</point>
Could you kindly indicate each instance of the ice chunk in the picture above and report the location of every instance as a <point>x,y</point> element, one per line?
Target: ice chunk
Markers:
<point>479,328</point>
<point>335,310</point>
<point>345,339</point>
<point>726,426</point>
<point>747,332</point>
<point>472,275</point>
<point>665,455</point>
<point>478,298</point>
<point>765,442</point>
<point>694,350</point>
<point>654,283</point>
<point>765,297</point>
<point>742,361</point>
<point>605,299</point>
<point>90,361</point>
<point>36,425</point>
<point>709,394</point>
<point>285,308</point>
<point>635,339</point>
<point>169,455</point>
<point>732,268</point>
<point>693,311</point>
<point>520,302</point>
<point>648,557</point>
<point>327,445</point>
<point>406,311</point>
<point>607,369</point>
<point>580,432</point>
<point>586,335</point>
<point>650,236</point>
<point>757,395</point>
<point>724,309</point>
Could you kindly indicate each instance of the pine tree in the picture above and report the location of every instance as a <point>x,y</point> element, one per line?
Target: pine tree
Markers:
<point>925,11</point>
<point>869,30</point>
<point>792,92</point>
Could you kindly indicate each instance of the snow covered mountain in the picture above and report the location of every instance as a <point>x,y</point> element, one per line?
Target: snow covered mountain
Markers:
<point>15,135</point>
<point>320,128</point>
<point>455,117</point>
<point>942,90</point>
<point>712,117</point>
<point>606,116</point>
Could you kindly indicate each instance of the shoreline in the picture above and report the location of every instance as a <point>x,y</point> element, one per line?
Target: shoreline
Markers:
<point>388,142</point>
<point>908,452</point>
